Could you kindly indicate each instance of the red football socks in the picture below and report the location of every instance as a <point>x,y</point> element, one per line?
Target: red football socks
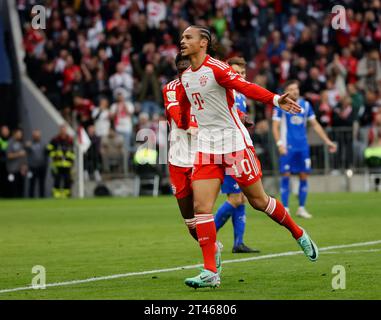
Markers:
<point>206,233</point>
<point>278,213</point>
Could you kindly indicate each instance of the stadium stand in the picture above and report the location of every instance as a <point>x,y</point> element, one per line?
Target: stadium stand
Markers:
<point>94,50</point>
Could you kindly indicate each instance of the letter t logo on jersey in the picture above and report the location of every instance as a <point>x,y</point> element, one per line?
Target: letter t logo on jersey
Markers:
<point>198,101</point>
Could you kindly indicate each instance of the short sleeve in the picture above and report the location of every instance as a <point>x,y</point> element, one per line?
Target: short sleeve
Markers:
<point>277,114</point>
<point>310,112</point>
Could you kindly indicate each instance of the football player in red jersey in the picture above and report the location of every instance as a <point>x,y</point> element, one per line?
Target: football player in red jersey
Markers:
<point>224,146</point>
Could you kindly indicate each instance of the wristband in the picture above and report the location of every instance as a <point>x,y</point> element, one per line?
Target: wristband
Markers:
<point>276,100</point>
<point>279,143</point>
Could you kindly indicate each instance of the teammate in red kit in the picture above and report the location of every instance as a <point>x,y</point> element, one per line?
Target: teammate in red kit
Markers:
<point>224,146</point>
<point>181,154</point>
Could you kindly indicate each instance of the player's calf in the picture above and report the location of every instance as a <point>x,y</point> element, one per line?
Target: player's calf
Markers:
<point>191,224</point>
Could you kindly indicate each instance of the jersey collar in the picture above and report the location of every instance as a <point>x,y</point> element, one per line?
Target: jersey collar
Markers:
<point>203,63</point>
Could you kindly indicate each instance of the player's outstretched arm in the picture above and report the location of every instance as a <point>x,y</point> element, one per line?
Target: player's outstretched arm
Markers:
<point>228,78</point>
<point>332,147</point>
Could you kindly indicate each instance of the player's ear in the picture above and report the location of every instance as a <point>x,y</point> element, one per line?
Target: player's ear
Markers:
<point>203,43</point>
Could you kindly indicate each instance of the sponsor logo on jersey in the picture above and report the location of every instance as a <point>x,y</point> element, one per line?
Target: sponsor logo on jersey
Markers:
<point>251,177</point>
<point>171,96</point>
<point>203,81</point>
<point>296,120</point>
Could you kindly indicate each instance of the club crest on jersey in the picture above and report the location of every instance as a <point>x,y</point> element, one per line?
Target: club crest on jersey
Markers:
<point>203,80</point>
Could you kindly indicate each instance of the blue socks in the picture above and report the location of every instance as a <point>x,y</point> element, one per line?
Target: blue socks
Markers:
<point>303,191</point>
<point>285,190</point>
<point>238,218</point>
<point>239,223</point>
<point>223,214</point>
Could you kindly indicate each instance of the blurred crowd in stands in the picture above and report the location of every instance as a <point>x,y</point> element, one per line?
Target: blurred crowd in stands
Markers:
<point>102,63</point>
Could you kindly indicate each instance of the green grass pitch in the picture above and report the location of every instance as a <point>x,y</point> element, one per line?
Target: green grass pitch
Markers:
<point>81,239</point>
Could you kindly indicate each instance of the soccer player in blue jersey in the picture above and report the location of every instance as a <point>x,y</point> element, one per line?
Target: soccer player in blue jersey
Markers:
<point>234,206</point>
<point>290,134</point>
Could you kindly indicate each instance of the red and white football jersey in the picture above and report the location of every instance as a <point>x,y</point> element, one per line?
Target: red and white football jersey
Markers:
<point>209,93</point>
<point>182,146</point>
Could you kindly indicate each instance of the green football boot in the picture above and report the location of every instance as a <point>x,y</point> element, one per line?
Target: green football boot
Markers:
<point>309,248</point>
<point>205,279</point>
<point>218,256</point>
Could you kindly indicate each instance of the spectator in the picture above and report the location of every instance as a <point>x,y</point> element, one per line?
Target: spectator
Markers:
<point>313,86</point>
<point>241,17</point>
<point>33,41</point>
<point>17,164</point>
<point>121,113</point>
<point>275,48</point>
<point>69,74</point>
<point>325,111</point>
<point>49,83</point>
<point>343,113</point>
<point>369,71</point>
<point>374,132</point>
<point>4,138</point>
<point>219,23</point>
<point>38,163</point>
<point>83,109</point>
<point>102,117</point>
<point>293,29</point>
<point>284,67</point>
<point>370,107</point>
<point>350,64</point>
<point>92,158</point>
<point>122,79</point>
<point>143,122</point>
<point>337,72</point>
<point>305,47</point>
<point>333,94</point>
<point>326,34</point>
<point>150,96</point>
<point>168,49</point>
<point>156,12</point>
<point>300,71</point>
<point>357,100</point>
<point>112,152</point>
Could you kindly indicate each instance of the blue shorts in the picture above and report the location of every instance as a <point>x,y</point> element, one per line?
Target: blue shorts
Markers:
<point>295,161</point>
<point>230,185</point>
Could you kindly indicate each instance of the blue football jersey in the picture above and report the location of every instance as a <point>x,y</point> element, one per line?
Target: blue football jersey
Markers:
<point>240,101</point>
<point>293,127</point>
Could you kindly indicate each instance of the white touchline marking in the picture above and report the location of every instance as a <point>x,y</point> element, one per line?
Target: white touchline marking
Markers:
<point>141,273</point>
<point>351,251</point>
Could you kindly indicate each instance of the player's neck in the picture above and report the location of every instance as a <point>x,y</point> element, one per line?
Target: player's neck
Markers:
<point>197,60</point>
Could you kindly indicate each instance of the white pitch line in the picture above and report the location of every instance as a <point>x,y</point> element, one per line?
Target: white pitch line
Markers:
<point>351,251</point>
<point>141,273</point>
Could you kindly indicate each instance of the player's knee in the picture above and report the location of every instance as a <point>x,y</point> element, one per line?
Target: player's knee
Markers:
<point>234,200</point>
<point>201,207</point>
<point>303,176</point>
<point>259,203</point>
